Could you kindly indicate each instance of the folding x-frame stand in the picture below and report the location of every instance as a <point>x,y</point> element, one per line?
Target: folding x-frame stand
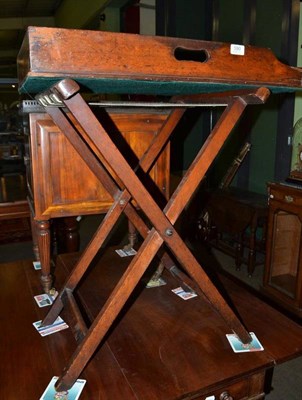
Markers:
<point>99,152</point>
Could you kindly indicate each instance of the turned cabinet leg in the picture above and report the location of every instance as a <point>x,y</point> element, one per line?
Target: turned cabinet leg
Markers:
<point>252,245</point>
<point>239,251</point>
<point>43,239</point>
<point>65,235</point>
<point>132,235</point>
<point>34,238</point>
<point>252,254</point>
<point>71,237</point>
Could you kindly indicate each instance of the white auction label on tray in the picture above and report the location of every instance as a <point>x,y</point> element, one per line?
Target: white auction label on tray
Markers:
<point>237,49</point>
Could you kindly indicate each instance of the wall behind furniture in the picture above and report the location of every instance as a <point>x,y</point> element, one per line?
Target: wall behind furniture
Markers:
<point>298,97</point>
<point>269,23</point>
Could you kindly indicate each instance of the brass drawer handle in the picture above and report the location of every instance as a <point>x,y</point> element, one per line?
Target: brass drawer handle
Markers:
<point>288,199</point>
<point>225,396</point>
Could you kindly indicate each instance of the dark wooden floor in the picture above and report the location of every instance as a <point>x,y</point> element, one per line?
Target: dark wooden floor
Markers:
<point>14,227</point>
<point>161,349</point>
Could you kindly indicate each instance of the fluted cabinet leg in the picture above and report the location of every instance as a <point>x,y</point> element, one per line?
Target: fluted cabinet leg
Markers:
<point>132,234</point>
<point>71,237</point>
<point>43,238</point>
<point>34,238</point>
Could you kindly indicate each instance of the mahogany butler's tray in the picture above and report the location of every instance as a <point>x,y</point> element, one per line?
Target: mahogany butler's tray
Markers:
<point>60,63</point>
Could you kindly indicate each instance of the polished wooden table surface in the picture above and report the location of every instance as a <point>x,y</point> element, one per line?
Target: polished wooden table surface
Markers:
<point>161,348</point>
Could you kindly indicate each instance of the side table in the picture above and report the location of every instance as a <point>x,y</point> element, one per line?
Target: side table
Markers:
<point>237,220</point>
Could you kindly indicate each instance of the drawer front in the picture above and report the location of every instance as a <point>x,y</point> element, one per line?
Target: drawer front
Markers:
<point>286,195</point>
<point>250,388</point>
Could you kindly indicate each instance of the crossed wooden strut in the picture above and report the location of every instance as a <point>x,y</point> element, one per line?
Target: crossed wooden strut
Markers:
<point>69,110</point>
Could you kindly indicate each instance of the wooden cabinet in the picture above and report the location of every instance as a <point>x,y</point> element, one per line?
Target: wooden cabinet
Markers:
<point>249,388</point>
<point>283,269</point>
<point>60,183</point>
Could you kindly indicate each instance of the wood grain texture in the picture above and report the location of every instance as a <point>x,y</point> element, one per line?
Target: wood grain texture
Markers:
<point>62,184</point>
<point>119,61</point>
<point>168,347</point>
<point>282,275</point>
<point>28,360</point>
<point>161,346</point>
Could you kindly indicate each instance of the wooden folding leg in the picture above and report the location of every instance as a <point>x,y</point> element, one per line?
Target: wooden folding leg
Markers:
<point>94,245</point>
<point>163,230</point>
<point>145,163</point>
